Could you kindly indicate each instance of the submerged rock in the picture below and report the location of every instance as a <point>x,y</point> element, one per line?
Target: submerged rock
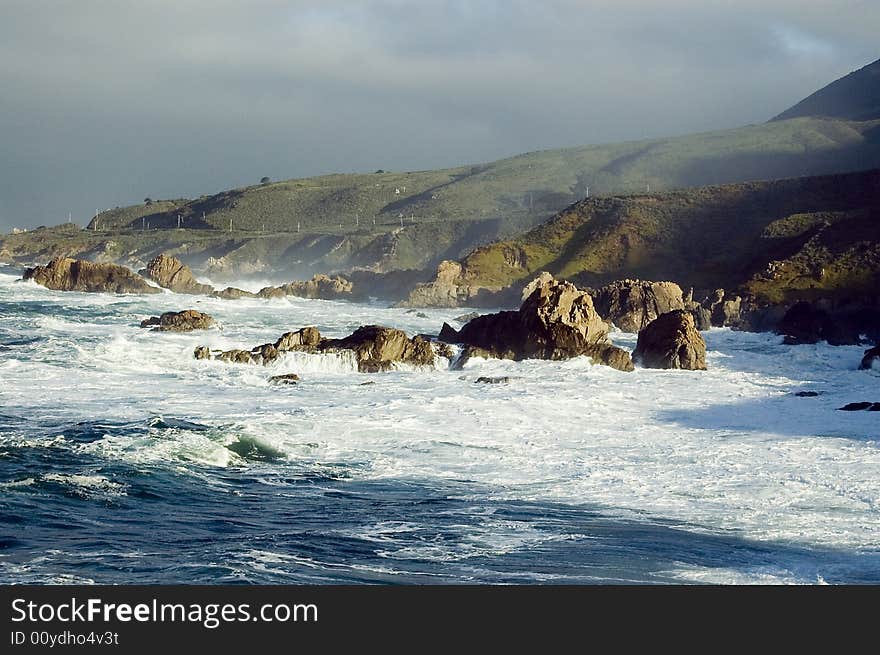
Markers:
<point>806,394</point>
<point>632,304</point>
<point>464,318</point>
<point>66,274</point>
<point>483,379</point>
<point>233,293</point>
<point>287,378</point>
<point>185,321</point>
<point>172,274</point>
<point>872,355</point>
<point>557,321</point>
<point>671,341</point>
<point>860,407</point>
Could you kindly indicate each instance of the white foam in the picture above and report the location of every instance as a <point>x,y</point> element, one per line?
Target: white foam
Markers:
<point>726,450</point>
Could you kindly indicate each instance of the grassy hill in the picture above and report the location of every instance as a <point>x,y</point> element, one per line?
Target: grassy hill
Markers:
<point>784,239</point>
<point>388,221</point>
<point>855,97</point>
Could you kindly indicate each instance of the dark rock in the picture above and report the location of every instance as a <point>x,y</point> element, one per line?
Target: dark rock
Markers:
<point>185,321</point>
<point>171,273</point>
<point>66,274</point>
<point>557,321</point>
<point>871,356</point>
<point>202,352</point>
<point>448,334</point>
<point>492,380</point>
<point>725,311</point>
<point>287,378</point>
<point>702,318</point>
<point>364,384</point>
<point>805,323</point>
<point>632,304</point>
<point>671,341</point>
<point>860,407</point>
<point>378,348</point>
<point>806,394</point>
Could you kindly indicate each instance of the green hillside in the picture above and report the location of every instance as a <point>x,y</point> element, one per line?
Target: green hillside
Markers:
<point>779,240</point>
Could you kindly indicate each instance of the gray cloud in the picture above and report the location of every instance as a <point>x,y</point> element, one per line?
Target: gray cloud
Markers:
<point>105,102</point>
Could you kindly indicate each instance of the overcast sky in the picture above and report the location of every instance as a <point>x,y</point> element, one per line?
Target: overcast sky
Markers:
<point>105,102</point>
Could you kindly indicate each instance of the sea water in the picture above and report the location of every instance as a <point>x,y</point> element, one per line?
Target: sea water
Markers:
<point>125,460</point>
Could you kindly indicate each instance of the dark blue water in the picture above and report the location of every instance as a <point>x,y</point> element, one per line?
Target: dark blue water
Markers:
<point>270,523</point>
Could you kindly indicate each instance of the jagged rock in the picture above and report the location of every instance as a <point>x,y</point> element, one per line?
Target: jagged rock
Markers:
<point>202,352</point>
<point>171,273</point>
<point>184,321</point>
<point>303,339</point>
<point>702,318</point>
<point>725,311</point>
<point>66,274</point>
<point>632,304</point>
<point>447,289</point>
<point>464,318</point>
<point>378,348</point>
<point>492,380</point>
<point>287,378</point>
<point>444,350</point>
<point>319,287</point>
<point>543,278</point>
<point>671,341</point>
<point>232,293</point>
<point>557,321</point>
<point>860,407</point>
<point>448,334</point>
<point>872,355</point>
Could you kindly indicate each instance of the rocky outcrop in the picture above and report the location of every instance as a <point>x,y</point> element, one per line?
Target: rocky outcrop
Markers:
<point>557,321</point>
<point>671,341</point>
<point>321,287</point>
<point>172,274</point>
<point>232,293</point>
<point>374,347</point>
<point>632,304</point>
<point>872,357</point>
<point>66,274</point>
<point>185,321</point>
<point>448,289</point>
<point>379,348</point>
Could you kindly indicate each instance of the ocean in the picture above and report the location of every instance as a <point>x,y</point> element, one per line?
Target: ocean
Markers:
<point>125,460</point>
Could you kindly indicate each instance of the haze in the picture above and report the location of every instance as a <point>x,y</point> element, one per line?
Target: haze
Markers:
<point>104,103</point>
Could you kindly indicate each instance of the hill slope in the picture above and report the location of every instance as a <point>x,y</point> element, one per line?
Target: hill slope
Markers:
<point>780,240</point>
<point>855,97</point>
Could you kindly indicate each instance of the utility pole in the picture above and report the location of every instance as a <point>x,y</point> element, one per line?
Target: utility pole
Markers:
<point>178,221</point>
<point>230,225</point>
<point>588,191</point>
<point>297,227</point>
<point>357,220</point>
